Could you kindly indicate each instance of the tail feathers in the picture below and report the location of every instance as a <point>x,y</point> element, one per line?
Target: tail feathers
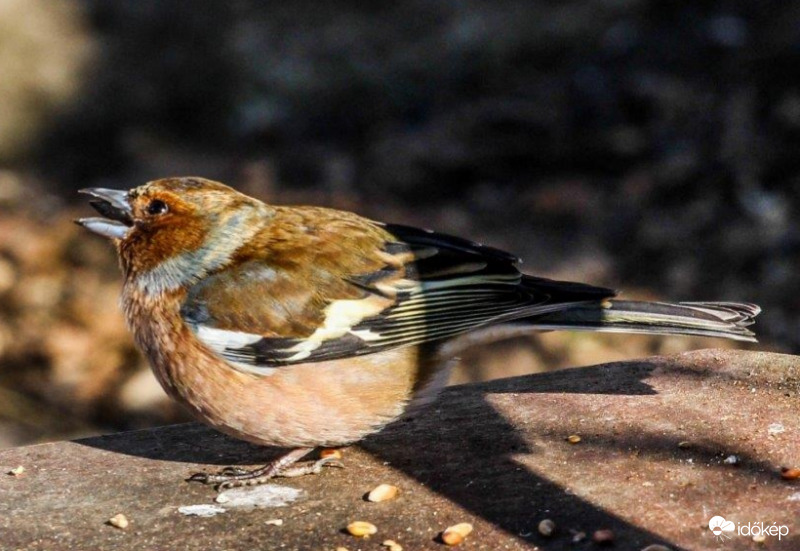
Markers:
<point>707,319</point>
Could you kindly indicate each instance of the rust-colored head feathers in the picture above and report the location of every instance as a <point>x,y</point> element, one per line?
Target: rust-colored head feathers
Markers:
<point>175,228</point>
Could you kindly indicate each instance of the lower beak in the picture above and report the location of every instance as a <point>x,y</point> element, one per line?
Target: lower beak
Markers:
<point>115,206</point>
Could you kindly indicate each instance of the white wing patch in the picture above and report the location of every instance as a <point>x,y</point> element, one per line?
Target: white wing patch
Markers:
<point>219,340</point>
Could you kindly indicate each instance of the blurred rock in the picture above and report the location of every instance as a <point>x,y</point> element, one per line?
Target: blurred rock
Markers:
<point>65,352</point>
<point>142,394</point>
<point>45,48</point>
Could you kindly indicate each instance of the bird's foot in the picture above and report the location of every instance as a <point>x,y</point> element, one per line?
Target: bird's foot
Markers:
<point>312,467</point>
<point>283,467</point>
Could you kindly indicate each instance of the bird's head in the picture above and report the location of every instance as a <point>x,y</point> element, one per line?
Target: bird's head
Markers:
<point>173,231</point>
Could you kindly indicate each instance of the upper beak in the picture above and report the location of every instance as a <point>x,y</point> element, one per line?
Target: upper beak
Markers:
<point>114,204</point>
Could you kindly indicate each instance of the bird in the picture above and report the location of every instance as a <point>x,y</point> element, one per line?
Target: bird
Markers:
<point>302,327</point>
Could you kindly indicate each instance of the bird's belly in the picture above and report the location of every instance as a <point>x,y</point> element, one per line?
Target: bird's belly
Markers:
<point>307,405</point>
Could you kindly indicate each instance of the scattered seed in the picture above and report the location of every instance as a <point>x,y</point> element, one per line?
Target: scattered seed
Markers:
<point>603,537</point>
<point>684,444</point>
<point>274,522</point>
<point>578,537</point>
<point>456,534</point>
<point>383,492</point>
<point>222,498</point>
<point>656,547</point>
<point>790,473</point>
<point>17,471</point>
<point>392,545</point>
<point>341,549</point>
<point>761,537</point>
<point>573,438</point>
<point>362,529</point>
<point>119,521</point>
<point>547,527</point>
<point>732,460</point>
<point>330,452</point>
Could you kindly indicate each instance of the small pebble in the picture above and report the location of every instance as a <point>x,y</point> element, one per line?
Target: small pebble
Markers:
<point>119,521</point>
<point>361,529</point>
<point>547,527</point>
<point>17,471</point>
<point>573,438</point>
<point>603,537</point>
<point>684,444</point>
<point>732,460</point>
<point>578,537</point>
<point>383,492</point>
<point>456,534</point>
<point>790,473</point>
<point>274,522</point>
<point>392,545</point>
<point>656,547</point>
<point>760,538</point>
<point>222,498</point>
<point>341,549</point>
<point>776,428</point>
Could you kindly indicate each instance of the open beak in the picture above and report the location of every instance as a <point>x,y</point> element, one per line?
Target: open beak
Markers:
<point>115,206</point>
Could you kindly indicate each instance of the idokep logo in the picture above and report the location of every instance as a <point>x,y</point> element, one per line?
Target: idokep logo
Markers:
<point>721,528</point>
<point>725,529</point>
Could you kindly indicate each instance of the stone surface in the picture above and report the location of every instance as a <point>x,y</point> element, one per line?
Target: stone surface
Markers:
<point>652,466</point>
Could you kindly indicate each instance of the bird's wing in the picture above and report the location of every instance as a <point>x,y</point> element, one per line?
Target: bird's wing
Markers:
<point>402,286</point>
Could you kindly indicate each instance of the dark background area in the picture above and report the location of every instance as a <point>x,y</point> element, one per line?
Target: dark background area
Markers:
<point>648,146</point>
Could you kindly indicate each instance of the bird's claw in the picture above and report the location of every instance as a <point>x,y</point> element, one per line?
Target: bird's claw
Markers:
<point>219,478</point>
<point>233,471</point>
<point>311,468</point>
<point>232,477</point>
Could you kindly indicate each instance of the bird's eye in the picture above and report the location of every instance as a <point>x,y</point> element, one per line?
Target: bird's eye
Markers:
<point>157,206</point>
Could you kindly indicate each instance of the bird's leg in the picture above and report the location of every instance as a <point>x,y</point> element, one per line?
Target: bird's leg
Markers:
<point>231,477</point>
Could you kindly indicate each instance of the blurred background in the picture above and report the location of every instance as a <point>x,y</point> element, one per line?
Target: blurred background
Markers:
<point>650,146</point>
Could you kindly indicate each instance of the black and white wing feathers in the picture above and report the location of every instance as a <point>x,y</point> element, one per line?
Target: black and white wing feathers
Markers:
<point>429,286</point>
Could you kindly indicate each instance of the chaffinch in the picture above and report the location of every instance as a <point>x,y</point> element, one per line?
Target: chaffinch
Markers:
<point>302,327</point>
